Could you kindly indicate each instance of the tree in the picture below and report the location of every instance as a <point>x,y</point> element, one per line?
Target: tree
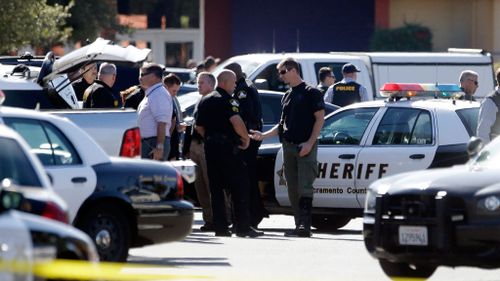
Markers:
<point>90,18</point>
<point>32,22</point>
<point>411,37</point>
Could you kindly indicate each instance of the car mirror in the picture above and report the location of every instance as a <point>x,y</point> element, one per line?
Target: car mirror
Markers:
<point>261,84</point>
<point>474,146</point>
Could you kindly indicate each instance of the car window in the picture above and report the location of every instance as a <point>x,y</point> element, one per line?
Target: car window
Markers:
<point>15,165</point>
<point>46,141</point>
<point>336,68</point>
<point>346,127</point>
<point>270,74</point>
<point>271,109</point>
<point>469,119</point>
<point>404,126</point>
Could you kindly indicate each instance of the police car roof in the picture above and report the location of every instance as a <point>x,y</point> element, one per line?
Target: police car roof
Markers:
<point>443,104</point>
<point>17,81</point>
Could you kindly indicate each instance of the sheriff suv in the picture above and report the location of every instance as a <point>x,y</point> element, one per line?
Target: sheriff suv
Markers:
<point>363,142</point>
<point>416,221</point>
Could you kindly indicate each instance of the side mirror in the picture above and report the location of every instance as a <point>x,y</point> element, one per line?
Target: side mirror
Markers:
<point>474,145</point>
<point>261,84</point>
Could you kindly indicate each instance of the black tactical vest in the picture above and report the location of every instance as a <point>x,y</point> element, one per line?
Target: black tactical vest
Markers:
<point>346,93</point>
<point>495,129</point>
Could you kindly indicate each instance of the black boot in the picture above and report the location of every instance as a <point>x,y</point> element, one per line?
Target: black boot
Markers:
<point>293,232</point>
<point>305,206</point>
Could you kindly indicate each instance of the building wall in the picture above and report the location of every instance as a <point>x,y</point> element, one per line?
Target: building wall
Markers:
<point>218,28</point>
<point>319,25</point>
<point>454,23</point>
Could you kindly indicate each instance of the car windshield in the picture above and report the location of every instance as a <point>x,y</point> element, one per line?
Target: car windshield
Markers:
<point>489,156</point>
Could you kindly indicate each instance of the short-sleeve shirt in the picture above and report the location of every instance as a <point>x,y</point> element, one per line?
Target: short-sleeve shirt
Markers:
<point>155,107</point>
<point>299,105</point>
<point>214,112</point>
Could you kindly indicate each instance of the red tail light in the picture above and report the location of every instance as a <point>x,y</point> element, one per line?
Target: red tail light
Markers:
<point>180,185</point>
<point>54,212</point>
<point>131,143</point>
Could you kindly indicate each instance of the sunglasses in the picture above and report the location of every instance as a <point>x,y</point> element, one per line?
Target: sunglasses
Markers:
<point>144,74</point>
<point>475,82</point>
<point>283,71</point>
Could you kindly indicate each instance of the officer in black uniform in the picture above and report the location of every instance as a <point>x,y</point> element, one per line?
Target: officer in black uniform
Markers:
<point>89,74</point>
<point>347,91</point>
<point>100,94</point>
<point>224,136</point>
<point>251,113</point>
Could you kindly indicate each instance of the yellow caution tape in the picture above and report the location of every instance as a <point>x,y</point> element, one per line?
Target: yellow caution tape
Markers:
<point>84,270</point>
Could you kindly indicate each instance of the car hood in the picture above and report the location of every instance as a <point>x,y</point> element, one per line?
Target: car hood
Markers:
<point>459,180</point>
<point>99,50</point>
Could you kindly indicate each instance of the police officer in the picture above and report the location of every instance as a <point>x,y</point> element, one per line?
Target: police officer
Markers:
<point>347,91</point>
<point>225,134</point>
<point>299,127</point>
<point>100,94</point>
<point>251,113</point>
<point>488,125</point>
<point>468,84</point>
<point>326,79</point>
<point>89,74</point>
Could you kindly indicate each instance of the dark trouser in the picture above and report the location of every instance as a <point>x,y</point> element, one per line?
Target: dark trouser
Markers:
<point>300,173</point>
<point>226,170</point>
<point>257,211</point>
<point>148,144</point>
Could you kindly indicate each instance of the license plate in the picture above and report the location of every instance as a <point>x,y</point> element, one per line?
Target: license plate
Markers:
<point>413,235</point>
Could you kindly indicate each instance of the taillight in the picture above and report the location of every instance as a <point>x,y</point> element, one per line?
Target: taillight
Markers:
<point>180,186</point>
<point>54,212</point>
<point>131,143</point>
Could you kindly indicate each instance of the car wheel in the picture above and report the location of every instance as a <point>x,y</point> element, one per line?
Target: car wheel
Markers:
<point>110,231</point>
<point>329,222</point>
<point>392,269</point>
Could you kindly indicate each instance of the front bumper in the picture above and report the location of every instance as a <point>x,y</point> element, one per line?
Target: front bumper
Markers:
<point>162,222</point>
<point>450,242</point>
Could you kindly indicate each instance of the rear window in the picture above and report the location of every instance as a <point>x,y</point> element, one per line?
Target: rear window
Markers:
<point>469,119</point>
<point>15,165</point>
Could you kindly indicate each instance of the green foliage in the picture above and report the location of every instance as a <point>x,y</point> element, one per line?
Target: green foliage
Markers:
<point>410,37</point>
<point>31,22</point>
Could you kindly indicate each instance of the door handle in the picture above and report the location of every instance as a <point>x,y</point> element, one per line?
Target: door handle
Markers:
<point>347,156</point>
<point>417,156</point>
<point>79,180</point>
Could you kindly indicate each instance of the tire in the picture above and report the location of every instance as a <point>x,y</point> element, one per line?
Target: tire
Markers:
<point>108,223</point>
<point>329,222</point>
<point>393,269</point>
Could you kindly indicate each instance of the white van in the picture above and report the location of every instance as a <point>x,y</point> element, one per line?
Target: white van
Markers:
<point>376,68</point>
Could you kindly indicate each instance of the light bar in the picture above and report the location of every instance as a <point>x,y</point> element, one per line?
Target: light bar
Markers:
<point>409,90</point>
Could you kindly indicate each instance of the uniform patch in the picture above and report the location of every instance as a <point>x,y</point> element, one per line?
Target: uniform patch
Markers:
<point>242,94</point>
<point>235,109</point>
<point>234,102</point>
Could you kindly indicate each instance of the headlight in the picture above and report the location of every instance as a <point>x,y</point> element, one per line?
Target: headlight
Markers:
<point>370,201</point>
<point>491,203</point>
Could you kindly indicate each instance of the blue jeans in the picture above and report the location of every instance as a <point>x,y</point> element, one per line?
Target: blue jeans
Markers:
<point>148,144</point>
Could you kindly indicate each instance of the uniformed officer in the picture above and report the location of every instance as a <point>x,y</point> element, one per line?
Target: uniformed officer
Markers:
<point>224,136</point>
<point>89,74</point>
<point>100,94</point>
<point>251,113</point>
<point>299,127</point>
<point>488,125</point>
<point>347,91</point>
<point>326,79</point>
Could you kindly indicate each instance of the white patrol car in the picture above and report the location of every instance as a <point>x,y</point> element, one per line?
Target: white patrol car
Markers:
<point>366,141</point>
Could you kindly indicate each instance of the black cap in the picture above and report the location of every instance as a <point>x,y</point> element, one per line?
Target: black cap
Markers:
<point>349,68</point>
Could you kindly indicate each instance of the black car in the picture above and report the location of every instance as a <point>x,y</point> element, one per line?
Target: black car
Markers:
<point>414,222</point>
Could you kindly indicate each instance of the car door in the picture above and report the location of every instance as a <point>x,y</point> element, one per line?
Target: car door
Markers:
<point>404,140</point>
<point>340,141</point>
<point>71,178</point>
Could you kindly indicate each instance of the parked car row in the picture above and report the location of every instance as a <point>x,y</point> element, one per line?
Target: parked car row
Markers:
<point>118,202</point>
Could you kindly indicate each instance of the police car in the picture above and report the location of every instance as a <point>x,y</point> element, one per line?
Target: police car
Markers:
<point>26,239</point>
<point>417,221</point>
<point>363,142</point>
<point>118,202</point>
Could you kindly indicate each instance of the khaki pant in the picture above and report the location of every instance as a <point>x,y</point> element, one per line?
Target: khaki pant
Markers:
<point>197,154</point>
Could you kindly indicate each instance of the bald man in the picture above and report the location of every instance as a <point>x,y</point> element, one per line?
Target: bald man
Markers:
<point>225,135</point>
